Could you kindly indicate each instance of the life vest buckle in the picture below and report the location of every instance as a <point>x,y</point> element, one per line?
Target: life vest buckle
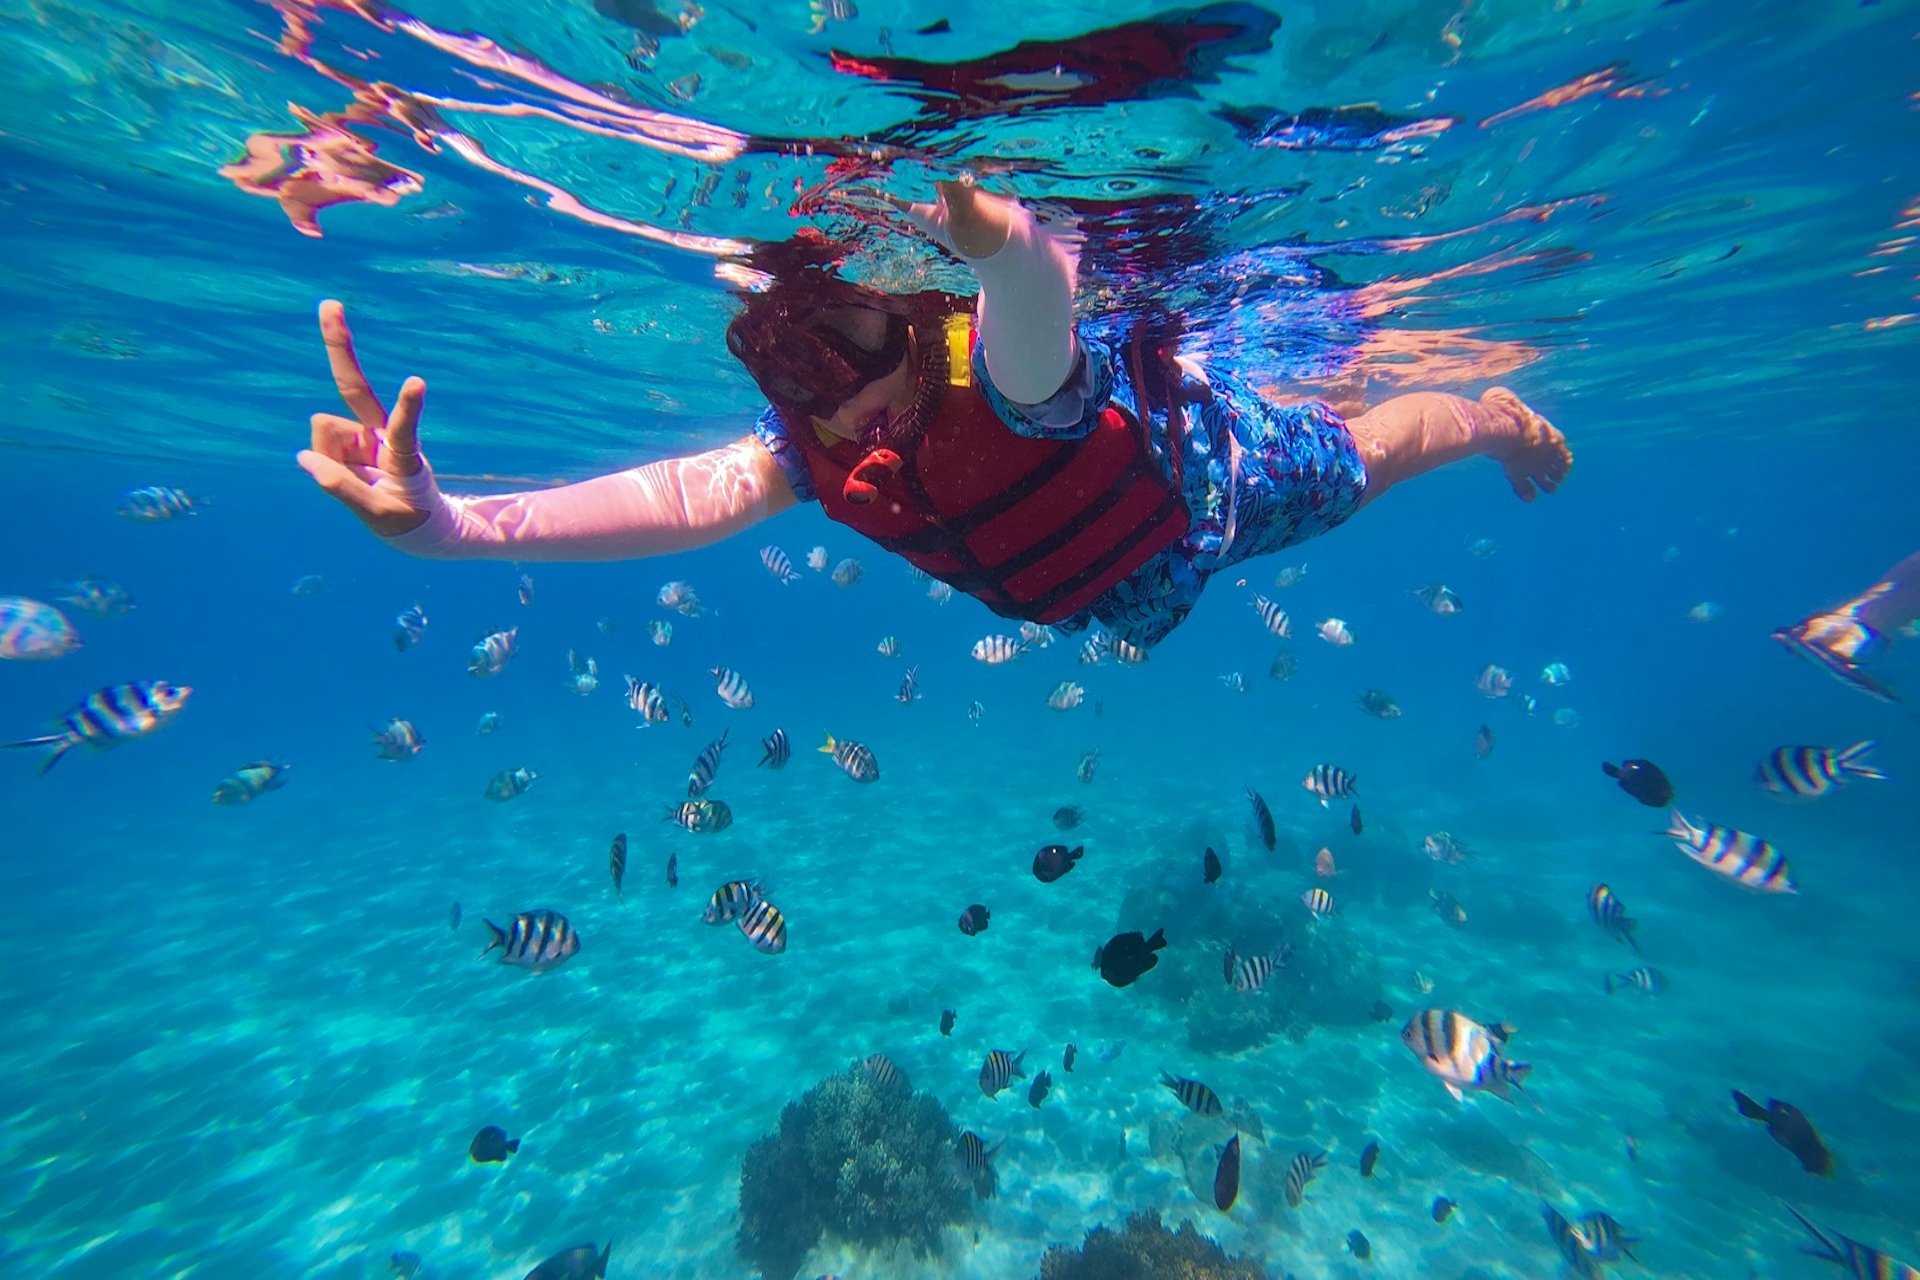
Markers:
<point>863,482</point>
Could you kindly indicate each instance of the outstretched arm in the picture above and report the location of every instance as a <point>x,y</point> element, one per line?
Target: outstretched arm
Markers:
<point>1027,276</point>
<point>372,464</point>
<point>1411,435</point>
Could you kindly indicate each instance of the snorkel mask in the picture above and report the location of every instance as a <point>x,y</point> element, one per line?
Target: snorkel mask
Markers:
<point>809,359</point>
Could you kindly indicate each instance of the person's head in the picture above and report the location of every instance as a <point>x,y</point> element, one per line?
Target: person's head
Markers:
<point>830,354</point>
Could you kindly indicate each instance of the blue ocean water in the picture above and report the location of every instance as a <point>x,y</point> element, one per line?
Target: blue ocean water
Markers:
<point>245,1041</point>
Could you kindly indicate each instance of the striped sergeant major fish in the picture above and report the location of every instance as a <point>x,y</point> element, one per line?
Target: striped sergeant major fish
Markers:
<point>975,1159</point>
<point>1093,649</point>
<point>409,626</point>
<point>1744,859</point>
<point>1862,1261</point>
<point>617,863</point>
<point>777,750</point>
<point>399,740</point>
<point>158,502</point>
<point>1067,695</point>
<point>536,940</point>
<point>732,688</point>
<point>1247,974</point>
<point>583,677</point>
<point>889,647</point>
<point>1262,819</point>
<point>1272,617</point>
<point>1844,639</point>
<point>1462,1054</point>
<point>846,573</point>
<point>1807,773</point>
<point>1439,598</point>
<point>680,707</point>
<point>1643,979</point>
<point>33,631</point>
<point>1193,1095</point>
<point>996,649</point>
<point>779,566</point>
<point>855,759</point>
<point>98,598</point>
<point>1581,1262</point>
<point>909,687</point>
<point>490,656</point>
<point>110,716</point>
<point>1603,1237</point>
<point>251,781</point>
<point>1000,1068</point>
<point>645,699</point>
<point>975,712</point>
<point>1038,634</point>
<point>1611,915</point>
<point>1300,1172</point>
<point>523,586</point>
<point>731,900</point>
<point>1319,903</point>
<point>1125,652</point>
<point>765,926</point>
<point>705,765</point>
<point>1331,782</point>
<point>701,817</point>
<point>884,1074</point>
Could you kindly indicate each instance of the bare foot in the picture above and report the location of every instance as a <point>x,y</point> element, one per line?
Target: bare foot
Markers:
<point>1535,456</point>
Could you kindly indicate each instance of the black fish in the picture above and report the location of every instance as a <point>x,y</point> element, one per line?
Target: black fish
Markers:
<point>1066,1059</point>
<point>1128,955</point>
<point>453,918</point>
<point>1358,1246</point>
<point>1037,1091</point>
<point>1791,1129</point>
<point>1642,780</point>
<point>1068,816</point>
<point>673,871</point>
<point>1381,1011</point>
<point>1442,1209</point>
<point>940,27</point>
<point>577,1263</point>
<point>1262,818</point>
<point>1054,861</point>
<point>1353,820</point>
<point>1226,1179</point>
<point>946,1022</point>
<point>1483,743</point>
<point>974,920</point>
<point>617,863</point>
<point>492,1145</point>
<point>1210,866</point>
<point>1369,1157</point>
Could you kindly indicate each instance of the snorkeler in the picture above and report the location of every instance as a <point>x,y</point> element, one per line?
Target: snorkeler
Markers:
<point>1022,459</point>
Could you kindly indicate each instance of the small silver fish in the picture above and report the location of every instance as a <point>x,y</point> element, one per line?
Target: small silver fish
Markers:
<point>846,573</point>
<point>1066,696</point>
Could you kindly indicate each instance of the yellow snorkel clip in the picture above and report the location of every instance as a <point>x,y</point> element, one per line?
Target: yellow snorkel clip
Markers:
<point>960,349</point>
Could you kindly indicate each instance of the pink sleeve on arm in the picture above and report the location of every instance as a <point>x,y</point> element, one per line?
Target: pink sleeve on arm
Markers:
<point>662,507</point>
<point>1026,302</point>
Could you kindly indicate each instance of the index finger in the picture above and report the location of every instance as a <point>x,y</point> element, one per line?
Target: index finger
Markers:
<point>347,377</point>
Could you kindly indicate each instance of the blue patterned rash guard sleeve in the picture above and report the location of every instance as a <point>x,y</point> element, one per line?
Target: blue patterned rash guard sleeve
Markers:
<point>1068,413</point>
<point>771,430</point>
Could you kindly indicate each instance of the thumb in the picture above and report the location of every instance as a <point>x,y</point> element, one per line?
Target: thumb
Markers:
<point>338,481</point>
<point>403,430</point>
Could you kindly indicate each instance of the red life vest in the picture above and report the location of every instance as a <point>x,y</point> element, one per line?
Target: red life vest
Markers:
<point>1033,529</point>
